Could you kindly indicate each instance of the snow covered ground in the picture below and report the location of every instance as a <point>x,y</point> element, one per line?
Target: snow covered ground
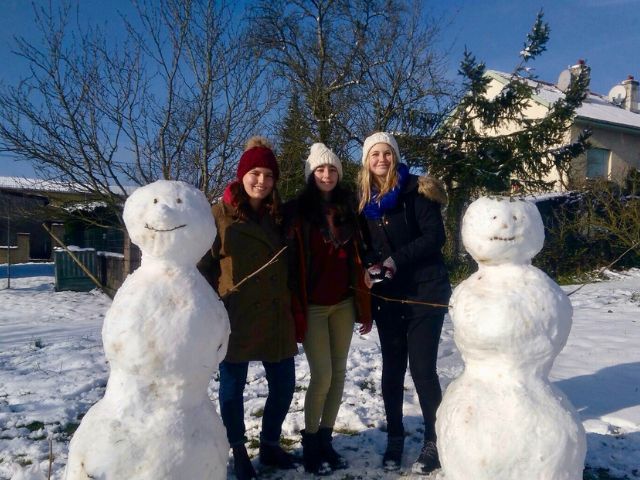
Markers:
<point>52,369</point>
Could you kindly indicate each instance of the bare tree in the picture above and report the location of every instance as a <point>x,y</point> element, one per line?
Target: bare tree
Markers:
<point>174,99</point>
<point>357,65</point>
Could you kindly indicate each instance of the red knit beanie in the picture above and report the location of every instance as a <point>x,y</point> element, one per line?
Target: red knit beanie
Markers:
<point>257,154</point>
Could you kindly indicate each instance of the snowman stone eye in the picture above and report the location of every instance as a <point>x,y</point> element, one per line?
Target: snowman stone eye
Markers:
<point>178,200</point>
<point>494,217</point>
<point>515,218</point>
<point>155,200</point>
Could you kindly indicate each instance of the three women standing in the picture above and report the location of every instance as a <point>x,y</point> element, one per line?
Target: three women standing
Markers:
<point>405,234</point>
<point>329,296</point>
<point>249,235</point>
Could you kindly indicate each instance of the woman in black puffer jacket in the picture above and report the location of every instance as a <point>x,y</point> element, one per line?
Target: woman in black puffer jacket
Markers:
<point>404,231</point>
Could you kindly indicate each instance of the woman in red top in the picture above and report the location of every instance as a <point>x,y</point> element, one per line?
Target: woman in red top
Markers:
<point>329,296</point>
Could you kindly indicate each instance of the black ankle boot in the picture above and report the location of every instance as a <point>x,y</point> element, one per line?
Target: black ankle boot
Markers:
<point>242,466</point>
<point>428,460</point>
<point>311,454</point>
<point>393,454</point>
<point>275,456</point>
<point>327,453</point>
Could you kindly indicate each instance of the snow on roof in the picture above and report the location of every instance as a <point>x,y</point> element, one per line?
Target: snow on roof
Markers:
<point>37,184</point>
<point>19,183</point>
<point>595,107</point>
<point>85,207</point>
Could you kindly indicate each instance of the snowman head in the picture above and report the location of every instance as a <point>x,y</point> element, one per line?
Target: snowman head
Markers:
<point>171,221</point>
<point>499,230</point>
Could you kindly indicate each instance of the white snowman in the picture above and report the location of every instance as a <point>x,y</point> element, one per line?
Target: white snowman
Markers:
<point>502,419</point>
<point>163,336</point>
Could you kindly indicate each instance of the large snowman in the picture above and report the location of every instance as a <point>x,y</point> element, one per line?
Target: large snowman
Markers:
<point>163,336</point>
<point>502,419</point>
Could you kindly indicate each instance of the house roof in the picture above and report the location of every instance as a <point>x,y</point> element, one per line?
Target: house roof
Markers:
<point>39,185</point>
<point>35,184</point>
<point>595,108</point>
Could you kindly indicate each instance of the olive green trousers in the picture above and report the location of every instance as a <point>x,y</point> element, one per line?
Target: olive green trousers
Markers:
<point>326,345</point>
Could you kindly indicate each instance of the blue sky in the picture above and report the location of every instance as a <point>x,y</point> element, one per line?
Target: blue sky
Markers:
<point>604,33</point>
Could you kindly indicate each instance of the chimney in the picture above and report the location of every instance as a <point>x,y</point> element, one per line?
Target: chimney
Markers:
<point>568,76</point>
<point>632,98</point>
<point>575,69</point>
<point>579,67</point>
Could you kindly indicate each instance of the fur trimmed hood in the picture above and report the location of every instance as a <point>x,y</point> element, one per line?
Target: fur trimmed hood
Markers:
<point>432,188</point>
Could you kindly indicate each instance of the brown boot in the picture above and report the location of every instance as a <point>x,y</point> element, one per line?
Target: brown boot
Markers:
<point>327,453</point>
<point>242,466</point>
<point>393,454</point>
<point>311,454</point>
<point>275,456</point>
<point>428,460</point>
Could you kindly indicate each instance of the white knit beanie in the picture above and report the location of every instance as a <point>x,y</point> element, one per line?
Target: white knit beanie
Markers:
<point>321,155</point>
<point>380,137</point>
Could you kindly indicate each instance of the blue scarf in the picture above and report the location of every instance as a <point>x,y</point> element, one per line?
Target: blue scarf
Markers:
<point>377,207</point>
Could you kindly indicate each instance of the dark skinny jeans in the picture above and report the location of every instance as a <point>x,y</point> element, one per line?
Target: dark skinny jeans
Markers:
<point>281,379</point>
<point>409,333</point>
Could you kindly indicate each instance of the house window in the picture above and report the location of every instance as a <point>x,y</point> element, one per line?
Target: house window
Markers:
<point>598,163</point>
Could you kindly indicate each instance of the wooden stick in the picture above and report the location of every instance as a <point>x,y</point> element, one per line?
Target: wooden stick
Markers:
<point>77,260</point>
<point>50,456</point>
<point>415,302</point>
<point>235,287</point>
<point>400,300</point>
<point>632,247</point>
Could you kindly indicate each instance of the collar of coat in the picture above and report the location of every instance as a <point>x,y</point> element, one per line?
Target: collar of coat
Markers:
<point>250,227</point>
<point>428,186</point>
<point>432,188</point>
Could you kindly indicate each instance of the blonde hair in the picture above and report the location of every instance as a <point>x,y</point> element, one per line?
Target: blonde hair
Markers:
<point>366,181</point>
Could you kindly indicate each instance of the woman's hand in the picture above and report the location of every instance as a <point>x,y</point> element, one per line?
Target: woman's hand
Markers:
<point>365,328</point>
<point>367,279</point>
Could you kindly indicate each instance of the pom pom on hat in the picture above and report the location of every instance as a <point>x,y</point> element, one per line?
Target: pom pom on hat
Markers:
<point>379,137</point>
<point>257,141</point>
<point>321,155</point>
<point>258,153</point>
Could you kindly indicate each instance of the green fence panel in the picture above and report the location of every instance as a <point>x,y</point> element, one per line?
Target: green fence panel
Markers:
<point>69,276</point>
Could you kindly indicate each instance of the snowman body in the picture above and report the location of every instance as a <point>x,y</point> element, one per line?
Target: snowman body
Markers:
<point>164,336</point>
<point>502,419</point>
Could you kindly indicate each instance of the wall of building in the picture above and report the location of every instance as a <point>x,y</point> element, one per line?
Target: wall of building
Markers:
<point>24,213</point>
<point>18,253</point>
<point>624,146</point>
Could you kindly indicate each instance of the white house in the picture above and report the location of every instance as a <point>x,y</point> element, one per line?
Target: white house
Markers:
<point>613,119</point>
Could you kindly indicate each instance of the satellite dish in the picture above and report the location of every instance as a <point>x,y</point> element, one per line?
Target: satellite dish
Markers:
<point>617,94</point>
<point>564,80</point>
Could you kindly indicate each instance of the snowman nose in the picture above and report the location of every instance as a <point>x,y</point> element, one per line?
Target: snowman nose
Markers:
<point>163,207</point>
<point>163,211</point>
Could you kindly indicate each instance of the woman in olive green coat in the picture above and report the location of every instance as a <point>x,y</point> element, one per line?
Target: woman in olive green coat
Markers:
<point>259,310</point>
<point>262,328</point>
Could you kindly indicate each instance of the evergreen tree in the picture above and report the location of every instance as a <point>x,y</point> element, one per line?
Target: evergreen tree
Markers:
<point>469,150</point>
<point>295,139</point>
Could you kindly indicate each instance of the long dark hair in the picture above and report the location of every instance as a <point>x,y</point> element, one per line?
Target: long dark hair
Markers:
<point>311,203</point>
<point>240,200</point>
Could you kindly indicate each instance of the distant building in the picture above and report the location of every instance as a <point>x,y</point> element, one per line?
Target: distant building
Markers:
<point>26,204</point>
<point>614,121</point>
